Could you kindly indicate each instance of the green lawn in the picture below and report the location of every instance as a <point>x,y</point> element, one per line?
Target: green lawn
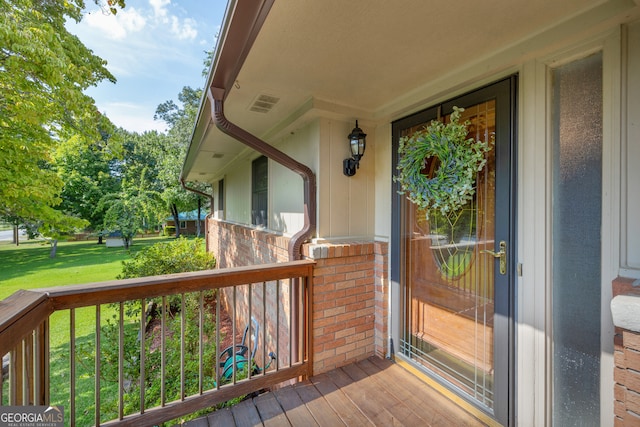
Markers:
<point>28,266</point>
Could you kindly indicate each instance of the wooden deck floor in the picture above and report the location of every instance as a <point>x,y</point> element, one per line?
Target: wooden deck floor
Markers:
<point>373,392</point>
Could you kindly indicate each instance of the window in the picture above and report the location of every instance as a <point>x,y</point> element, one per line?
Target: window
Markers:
<point>259,191</point>
<point>221,195</point>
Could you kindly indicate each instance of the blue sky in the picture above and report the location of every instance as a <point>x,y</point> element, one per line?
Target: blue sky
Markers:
<point>153,48</point>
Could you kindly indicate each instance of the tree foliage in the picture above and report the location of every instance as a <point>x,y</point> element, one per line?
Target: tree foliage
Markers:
<point>180,119</point>
<point>44,72</point>
<point>62,160</point>
<point>87,170</point>
<point>134,208</point>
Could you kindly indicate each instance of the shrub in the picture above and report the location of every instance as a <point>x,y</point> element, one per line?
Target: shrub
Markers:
<point>178,256</point>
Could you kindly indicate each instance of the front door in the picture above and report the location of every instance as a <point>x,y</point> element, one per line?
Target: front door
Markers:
<point>457,288</point>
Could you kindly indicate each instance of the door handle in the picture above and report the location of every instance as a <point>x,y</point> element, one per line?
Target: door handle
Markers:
<point>502,254</point>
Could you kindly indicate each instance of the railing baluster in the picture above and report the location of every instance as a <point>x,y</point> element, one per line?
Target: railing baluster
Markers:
<point>292,321</point>
<point>183,315</point>
<point>2,380</point>
<point>72,366</point>
<point>46,368</point>
<point>27,363</point>
<point>163,351</point>
<point>201,343</point>
<point>278,325</point>
<point>233,342</point>
<point>16,373</point>
<point>25,371</point>
<point>250,335</point>
<point>264,324</point>
<point>98,364</point>
<point>301,318</point>
<point>13,376</point>
<point>121,361</point>
<point>143,351</point>
<point>218,349</point>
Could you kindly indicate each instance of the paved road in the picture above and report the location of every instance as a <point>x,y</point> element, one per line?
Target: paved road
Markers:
<point>8,235</point>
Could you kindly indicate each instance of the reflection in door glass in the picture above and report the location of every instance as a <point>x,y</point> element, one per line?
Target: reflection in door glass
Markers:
<point>449,292</point>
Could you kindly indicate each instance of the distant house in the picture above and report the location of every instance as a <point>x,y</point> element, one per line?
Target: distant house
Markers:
<point>188,222</point>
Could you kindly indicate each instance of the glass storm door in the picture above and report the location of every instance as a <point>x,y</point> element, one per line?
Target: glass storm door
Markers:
<point>456,271</point>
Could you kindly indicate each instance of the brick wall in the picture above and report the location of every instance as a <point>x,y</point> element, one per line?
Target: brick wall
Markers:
<point>349,302</point>
<point>350,289</point>
<point>235,245</point>
<point>627,366</point>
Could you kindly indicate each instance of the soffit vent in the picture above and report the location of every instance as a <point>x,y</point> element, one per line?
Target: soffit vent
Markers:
<point>264,103</point>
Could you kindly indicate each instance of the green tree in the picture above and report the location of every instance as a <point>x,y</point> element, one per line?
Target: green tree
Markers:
<point>131,210</point>
<point>137,203</point>
<point>86,168</point>
<point>180,120</point>
<point>44,72</point>
<point>55,229</point>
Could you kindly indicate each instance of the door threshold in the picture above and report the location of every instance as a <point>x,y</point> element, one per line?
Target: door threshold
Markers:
<point>455,398</point>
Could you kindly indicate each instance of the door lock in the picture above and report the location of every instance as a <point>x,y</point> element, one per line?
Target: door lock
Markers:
<point>502,254</point>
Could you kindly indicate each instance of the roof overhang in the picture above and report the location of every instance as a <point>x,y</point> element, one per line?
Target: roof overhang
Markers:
<point>282,63</point>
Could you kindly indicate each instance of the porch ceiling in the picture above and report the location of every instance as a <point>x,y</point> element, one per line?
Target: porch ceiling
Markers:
<point>357,58</point>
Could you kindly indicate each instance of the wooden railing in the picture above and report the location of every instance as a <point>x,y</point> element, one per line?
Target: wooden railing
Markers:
<point>159,331</point>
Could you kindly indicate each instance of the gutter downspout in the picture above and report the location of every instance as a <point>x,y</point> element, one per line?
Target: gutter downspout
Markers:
<point>216,97</point>
<point>208,196</point>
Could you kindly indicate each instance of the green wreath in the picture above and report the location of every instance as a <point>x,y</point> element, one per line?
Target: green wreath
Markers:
<point>452,183</point>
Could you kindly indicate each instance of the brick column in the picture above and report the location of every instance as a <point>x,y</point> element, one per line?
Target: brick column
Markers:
<point>349,302</point>
<point>625,308</point>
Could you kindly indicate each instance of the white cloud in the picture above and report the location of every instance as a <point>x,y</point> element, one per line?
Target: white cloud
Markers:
<point>116,27</point>
<point>159,8</point>
<point>184,30</point>
<point>130,20</point>
<point>151,59</point>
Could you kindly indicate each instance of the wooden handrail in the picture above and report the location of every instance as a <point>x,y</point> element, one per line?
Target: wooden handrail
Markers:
<point>24,310</point>
<point>27,313</point>
<point>65,297</point>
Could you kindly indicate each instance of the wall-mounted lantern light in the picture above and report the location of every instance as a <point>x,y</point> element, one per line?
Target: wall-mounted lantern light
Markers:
<point>357,144</point>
